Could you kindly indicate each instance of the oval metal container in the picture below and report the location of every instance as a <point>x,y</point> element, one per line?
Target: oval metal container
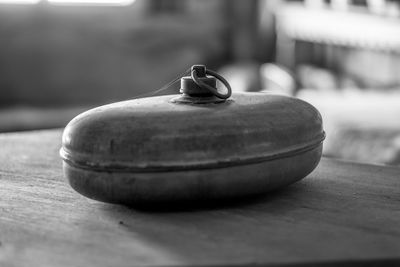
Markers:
<point>163,149</point>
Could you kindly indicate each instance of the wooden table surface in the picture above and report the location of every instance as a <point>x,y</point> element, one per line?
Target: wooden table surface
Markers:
<point>342,214</point>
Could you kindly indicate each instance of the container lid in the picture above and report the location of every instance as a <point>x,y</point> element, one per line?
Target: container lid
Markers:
<point>195,130</point>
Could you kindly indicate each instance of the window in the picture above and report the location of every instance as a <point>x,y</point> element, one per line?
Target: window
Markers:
<point>23,2</point>
<point>73,2</point>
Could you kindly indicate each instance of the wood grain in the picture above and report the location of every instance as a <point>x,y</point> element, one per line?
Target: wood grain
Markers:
<point>343,213</point>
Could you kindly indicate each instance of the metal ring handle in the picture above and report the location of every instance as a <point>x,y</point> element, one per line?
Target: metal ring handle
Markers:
<point>210,88</point>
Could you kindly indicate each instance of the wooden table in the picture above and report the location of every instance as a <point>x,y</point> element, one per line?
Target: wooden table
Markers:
<point>342,214</point>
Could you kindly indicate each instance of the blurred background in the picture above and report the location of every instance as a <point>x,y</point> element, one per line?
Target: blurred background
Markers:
<point>61,57</point>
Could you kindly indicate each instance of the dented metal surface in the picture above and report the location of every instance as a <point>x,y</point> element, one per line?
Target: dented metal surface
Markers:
<point>158,149</point>
<point>252,127</point>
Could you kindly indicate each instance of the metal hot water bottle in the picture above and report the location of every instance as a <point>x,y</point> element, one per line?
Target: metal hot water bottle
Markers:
<point>200,145</point>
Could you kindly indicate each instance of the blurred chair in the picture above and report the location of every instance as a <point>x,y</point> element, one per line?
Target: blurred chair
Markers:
<point>346,58</point>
